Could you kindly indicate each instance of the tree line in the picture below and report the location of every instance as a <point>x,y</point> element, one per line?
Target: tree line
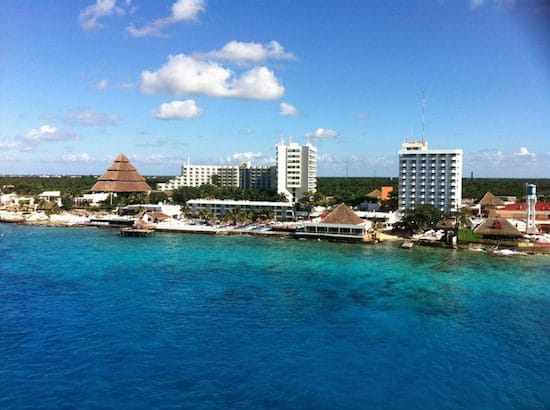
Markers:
<point>330,190</point>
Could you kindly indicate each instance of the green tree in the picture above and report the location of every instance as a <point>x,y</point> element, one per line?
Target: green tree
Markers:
<point>421,218</point>
<point>67,202</point>
<point>157,196</point>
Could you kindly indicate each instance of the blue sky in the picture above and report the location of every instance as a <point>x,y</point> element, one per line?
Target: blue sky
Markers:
<point>224,81</point>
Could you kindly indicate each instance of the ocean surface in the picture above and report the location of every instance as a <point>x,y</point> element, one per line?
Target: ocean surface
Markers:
<point>89,319</point>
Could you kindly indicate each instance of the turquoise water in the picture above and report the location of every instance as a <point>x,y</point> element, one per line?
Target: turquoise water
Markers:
<point>91,319</point>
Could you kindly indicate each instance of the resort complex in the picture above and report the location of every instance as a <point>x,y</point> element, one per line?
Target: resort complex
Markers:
<point>294,174</point>
<point>429,208</point>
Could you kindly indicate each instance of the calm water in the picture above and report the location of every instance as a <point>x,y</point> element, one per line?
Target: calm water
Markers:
<point>90,319</point>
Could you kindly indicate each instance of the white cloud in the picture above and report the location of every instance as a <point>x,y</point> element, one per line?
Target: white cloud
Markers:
<point>501,4</point>
<point>101,85</point>
<point>322,133</point>
<point>8,146</point>
<point>184,74</point>
<point>256,157</point>
<point>156,159</point>
<point>474,4</point>
<point>48,133</point>
<point>76,157</point>
<point>90,118</point>
<point>243,53</point>
<point>288,109</point>
<point>88,18</point>
<point>524,152</point>
<point>178,110</point>
<point>182,10</point>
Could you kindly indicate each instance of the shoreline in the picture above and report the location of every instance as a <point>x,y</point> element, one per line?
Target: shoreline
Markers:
<point>102,220</point>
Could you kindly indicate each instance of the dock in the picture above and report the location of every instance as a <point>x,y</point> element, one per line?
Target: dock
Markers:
<point>134,232</point>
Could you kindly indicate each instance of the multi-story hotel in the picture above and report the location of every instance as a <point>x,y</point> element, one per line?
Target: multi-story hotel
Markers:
<point>244,176</point>
<point>429,176</point>
<point>296,170</point>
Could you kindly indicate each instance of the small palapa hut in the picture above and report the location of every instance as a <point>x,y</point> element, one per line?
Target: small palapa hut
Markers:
<point>121,178</point>
<point>340,224</point>
<point>498,228</point>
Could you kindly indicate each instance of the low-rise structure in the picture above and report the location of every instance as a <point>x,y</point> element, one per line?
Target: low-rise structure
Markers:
<point>341,224</point>
<point>283,211</point>
<point>518,211</point>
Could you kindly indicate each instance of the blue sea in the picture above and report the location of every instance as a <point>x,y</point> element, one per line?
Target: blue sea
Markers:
<point>89,319</point>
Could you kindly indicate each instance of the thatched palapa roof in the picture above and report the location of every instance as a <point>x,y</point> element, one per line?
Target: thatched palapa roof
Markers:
<point>121,177</point>
<point>490,200</point>
<point>342,215</point>
<point>498,227</point>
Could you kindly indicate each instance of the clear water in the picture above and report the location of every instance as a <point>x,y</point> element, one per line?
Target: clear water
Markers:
<point>91,319</point>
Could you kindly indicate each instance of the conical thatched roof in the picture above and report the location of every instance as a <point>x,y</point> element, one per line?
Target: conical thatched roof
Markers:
<point>498,227</point>
<point>121,177</point>
<point>490,200</point>
<point>342,215</point>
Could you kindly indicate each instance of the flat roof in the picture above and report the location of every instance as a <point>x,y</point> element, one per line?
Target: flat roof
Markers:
<point>237,203</point>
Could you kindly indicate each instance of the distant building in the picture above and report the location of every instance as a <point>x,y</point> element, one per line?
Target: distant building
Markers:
<point>383,194</point>
<point>230,176</point>
<point>296,170</point>
<point>258,178</point>
<point>431,177</point>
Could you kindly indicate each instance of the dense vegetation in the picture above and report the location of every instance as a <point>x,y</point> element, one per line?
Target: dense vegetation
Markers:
<point>420,219</point>
<point>351,191</point>
<point>477,187</point>
<point>182,195</point>
<point>330,189</point>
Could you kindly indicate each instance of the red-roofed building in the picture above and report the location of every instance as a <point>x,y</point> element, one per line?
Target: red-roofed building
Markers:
<point>519,211</point>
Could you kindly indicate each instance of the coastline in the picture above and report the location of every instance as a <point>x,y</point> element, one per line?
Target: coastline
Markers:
<point>70,220</point>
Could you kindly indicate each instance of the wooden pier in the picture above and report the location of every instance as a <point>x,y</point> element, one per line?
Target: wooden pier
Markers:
<point>134,232</point>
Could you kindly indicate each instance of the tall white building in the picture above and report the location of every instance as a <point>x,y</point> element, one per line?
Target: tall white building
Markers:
<point>296,170</point>
<point>429,176</point>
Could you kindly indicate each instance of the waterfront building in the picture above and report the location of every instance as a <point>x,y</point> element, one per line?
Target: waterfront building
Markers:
<point>429,176</point>
<point>121,178</point>
<point>296,170</point>
<point>229,176</point>
<point>518,213</point>
<point>340,224</point>
<point>498,229</point>
<point>283,211</point>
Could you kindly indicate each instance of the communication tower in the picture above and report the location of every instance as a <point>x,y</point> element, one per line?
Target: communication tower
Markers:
<point>531,197</point>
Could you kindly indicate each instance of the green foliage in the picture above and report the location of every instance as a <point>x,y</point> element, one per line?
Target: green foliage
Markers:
<point>67,202</point>
<point>467,235</point>
<point>157,196</point>
<point>420,219</point>
<point>477,187</point>
<point>34,185</point>
<point>182,195</point>
<point>351,191</point>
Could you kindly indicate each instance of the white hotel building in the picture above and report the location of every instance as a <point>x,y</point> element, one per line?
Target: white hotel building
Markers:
<point>296,170</point>
<point>244,176</point>
<point>429,176</point>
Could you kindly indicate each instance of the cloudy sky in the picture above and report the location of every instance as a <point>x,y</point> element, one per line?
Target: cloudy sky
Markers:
<point>224,81</point>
